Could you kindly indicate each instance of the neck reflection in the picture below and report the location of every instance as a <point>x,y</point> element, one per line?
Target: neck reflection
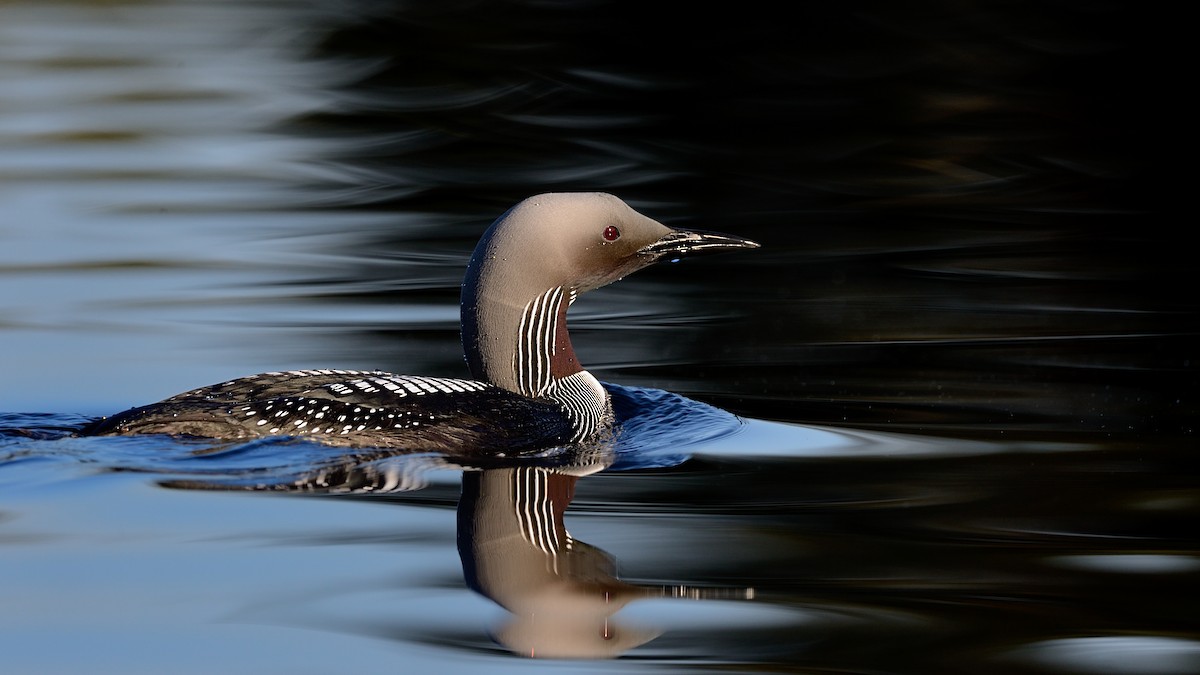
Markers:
<point>561,593</point>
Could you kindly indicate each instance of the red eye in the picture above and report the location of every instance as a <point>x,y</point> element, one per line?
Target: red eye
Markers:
<point>611,233</point>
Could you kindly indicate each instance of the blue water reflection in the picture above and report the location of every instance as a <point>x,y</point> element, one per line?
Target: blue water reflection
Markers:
<point>563,595</point>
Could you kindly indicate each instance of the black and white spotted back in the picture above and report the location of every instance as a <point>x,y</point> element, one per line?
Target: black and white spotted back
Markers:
<point>353,408</point>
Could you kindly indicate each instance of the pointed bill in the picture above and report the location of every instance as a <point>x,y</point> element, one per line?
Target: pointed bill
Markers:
<point>688,242</point>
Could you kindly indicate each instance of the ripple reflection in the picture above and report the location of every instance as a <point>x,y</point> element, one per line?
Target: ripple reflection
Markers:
<point>1114,654</point>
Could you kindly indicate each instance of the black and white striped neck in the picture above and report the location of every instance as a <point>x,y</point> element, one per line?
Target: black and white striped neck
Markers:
<point>538,360</point>
<point>544,364</point>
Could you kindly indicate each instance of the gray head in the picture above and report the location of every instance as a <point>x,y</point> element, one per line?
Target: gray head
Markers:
<point>536,259</point>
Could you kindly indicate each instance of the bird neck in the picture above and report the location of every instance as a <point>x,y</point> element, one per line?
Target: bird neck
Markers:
<point>521,345</point>
<point>525,348</point>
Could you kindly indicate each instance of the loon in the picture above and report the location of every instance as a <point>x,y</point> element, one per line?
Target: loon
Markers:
<point>528,391</point>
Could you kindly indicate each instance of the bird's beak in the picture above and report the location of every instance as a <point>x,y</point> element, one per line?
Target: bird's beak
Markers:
<point>687,242</point>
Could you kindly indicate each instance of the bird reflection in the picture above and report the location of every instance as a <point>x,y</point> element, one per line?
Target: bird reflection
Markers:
<point>561,593</point>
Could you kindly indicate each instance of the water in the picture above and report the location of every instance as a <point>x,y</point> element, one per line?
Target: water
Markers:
<point>963,361</point>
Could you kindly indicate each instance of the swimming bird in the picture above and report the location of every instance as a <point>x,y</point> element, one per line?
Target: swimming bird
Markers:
<point>528,389</point>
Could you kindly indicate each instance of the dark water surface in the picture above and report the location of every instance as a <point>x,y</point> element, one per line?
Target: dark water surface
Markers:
<point>964,359</point>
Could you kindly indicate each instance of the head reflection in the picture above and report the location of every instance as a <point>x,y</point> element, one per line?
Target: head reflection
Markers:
<point>561,592</point>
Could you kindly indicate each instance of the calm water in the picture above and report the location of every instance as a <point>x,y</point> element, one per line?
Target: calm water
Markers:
<point>964,360</point>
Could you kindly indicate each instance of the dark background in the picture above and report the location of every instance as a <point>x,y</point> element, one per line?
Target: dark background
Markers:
<point>962,205</point>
